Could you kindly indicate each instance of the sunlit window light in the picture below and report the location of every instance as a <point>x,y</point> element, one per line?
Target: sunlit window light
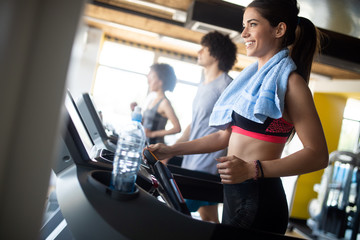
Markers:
<point>178,42</point>
<point>121,79</point>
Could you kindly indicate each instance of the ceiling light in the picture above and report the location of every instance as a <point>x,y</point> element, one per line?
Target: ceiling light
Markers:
<point>243,3</point>
<point>176,14</point>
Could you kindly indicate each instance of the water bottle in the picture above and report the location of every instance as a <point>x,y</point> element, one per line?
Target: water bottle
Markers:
<point>128,154</point>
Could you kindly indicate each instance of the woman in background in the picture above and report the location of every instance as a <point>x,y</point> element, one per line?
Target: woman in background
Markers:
<point>161,78</point>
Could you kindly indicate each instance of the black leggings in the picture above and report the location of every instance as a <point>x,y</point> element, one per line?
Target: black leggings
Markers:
<point>259,205</point>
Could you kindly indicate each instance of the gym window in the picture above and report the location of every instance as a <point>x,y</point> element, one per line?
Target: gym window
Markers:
<point>350,130</point>
<point>121,79</point>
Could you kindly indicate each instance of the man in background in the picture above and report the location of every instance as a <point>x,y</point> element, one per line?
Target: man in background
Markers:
<point>217,56</point>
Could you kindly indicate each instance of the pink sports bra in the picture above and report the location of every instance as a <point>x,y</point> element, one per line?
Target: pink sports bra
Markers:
<point>272,130</point>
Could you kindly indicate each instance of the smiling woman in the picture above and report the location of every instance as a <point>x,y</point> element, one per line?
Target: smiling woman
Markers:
<point>268,100</point>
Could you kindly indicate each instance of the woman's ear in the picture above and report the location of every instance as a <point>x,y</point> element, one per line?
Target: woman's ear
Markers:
<point>280,30</point>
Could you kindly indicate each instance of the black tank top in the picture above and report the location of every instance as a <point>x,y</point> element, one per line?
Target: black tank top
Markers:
<point>154,121</point>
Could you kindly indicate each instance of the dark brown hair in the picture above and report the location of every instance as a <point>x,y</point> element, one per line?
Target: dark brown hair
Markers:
<point>301,37</point>
<point>166,74</point>
<point>222,48</point>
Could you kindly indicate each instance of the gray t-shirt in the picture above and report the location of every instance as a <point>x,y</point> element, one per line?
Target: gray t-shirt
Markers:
<point>203,103</point>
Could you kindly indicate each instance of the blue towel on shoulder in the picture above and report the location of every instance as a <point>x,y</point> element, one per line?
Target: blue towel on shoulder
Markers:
<point>255,94</point>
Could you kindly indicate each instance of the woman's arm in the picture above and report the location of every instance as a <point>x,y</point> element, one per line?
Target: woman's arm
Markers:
<point>186,135</point>
<point>166,110</point>
<point>210,143</point>
<point>301,111</point>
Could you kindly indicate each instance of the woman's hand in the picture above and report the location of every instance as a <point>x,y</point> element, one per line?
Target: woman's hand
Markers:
<point>161,151</point>
<point>133,105</point>
<point>235,170</point>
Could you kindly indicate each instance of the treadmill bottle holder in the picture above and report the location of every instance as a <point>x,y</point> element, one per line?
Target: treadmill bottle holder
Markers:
<point>101,180</point>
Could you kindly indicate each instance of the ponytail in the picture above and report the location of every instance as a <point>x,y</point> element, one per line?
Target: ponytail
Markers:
<point>305,46</point>
<point>301,37</point>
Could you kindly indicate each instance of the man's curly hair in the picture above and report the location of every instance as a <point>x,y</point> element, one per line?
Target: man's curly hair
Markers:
<point>222,48</point>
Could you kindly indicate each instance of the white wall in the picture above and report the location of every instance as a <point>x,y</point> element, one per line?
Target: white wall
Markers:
<point>342,86</point>
<point>35,47</point>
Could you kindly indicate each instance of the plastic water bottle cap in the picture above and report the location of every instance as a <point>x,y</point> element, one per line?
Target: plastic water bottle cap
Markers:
<point>137,109</point>
<point>136,115</point>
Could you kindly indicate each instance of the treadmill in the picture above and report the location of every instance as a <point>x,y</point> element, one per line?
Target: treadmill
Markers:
<point>195,185</point>
<point>93,211</point>
<point>93,123</point>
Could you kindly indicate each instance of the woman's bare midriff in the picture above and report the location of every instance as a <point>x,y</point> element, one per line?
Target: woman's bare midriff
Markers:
<point>250,149</point>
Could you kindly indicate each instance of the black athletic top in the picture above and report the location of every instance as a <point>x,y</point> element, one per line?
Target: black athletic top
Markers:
<point>154,121</point>
<point>272,130</point>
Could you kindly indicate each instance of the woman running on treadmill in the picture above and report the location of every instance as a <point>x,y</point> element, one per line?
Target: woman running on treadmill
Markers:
<point>259,112</point>
<point>161,78</point>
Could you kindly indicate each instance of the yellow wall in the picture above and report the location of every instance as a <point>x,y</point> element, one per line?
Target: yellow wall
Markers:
<point>330,108</point>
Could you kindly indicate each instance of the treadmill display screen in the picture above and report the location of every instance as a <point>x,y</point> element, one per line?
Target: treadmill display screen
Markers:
<point>79,125</point>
